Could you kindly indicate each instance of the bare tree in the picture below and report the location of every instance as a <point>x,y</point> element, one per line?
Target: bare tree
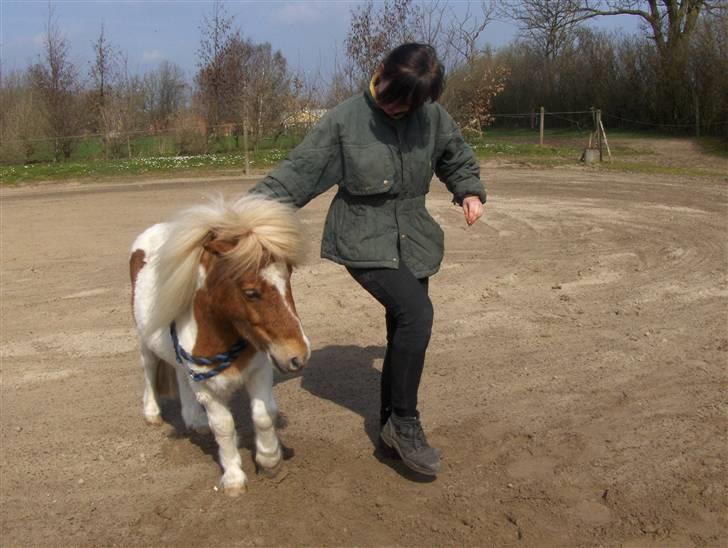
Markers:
<point>671,25</point>
<point>374,32</point>
<point>164,94</point>
<point>671,22</point>
<point>463,32</point>
<point>343,82</point>
<point>103,70</point>
<point>375,29</point>
<point>55,78</point>
<point>548,24</point>
<point>22,122</point>
<point>122,114</point>
<point>269,85</point>
<point>471,90</point>
<point>214,80</point>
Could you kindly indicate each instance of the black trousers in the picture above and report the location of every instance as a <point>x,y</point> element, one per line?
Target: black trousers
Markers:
<point>409,327</point>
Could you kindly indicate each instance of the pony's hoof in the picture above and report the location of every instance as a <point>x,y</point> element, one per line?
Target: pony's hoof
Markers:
<point>153,420</point>
<point>235,489</point>
<point>272,472</point>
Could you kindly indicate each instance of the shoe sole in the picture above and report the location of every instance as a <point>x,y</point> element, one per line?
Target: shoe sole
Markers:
<point>391,444</point>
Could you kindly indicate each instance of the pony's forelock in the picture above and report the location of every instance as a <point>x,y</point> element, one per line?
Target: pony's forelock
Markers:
<point>260,227</point>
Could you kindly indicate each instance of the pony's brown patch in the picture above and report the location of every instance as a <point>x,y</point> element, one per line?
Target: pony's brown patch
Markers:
<point>223,313</point>
<point>216,335</point>
<point>136,263</point>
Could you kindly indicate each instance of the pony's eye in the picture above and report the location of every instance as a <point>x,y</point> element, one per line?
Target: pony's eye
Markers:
<point>251,294</point>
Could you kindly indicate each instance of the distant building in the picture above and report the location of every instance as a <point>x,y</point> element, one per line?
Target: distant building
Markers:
<point>303,118</point>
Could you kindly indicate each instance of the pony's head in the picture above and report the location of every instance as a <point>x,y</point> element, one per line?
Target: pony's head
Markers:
<point>234,263</point>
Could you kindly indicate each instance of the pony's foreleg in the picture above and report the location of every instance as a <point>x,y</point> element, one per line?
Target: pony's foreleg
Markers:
<point>150,363</point>
<point>264,411</point>
<point>222,424</point>
<point>193,414</point>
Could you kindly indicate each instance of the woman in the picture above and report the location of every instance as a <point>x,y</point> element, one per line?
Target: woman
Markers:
<point>381,148</point>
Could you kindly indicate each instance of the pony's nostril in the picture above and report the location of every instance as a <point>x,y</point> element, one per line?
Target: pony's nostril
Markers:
<point>296,364</point>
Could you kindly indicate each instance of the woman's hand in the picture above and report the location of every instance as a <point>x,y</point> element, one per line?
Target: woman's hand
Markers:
<point>473,209</point>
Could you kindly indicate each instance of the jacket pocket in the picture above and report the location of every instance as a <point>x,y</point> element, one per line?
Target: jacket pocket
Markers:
<point>422,240</point>
<point>369,169</point>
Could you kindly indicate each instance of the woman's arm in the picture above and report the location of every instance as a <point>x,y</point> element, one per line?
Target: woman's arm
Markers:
<point>456,164</point>
<point>458,167</point>
<point>310,169</point>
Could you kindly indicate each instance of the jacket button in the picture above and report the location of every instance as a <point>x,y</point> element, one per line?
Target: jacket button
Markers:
<point>386,182</point>
<point>403,236</point>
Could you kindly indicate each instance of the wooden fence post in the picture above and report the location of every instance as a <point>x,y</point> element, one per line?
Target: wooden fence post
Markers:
<point>540,141</point>
<point>599,132</point>
<point>245,140</point>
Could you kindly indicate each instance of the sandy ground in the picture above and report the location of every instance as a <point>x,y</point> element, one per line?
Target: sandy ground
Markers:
<point>576,380</point>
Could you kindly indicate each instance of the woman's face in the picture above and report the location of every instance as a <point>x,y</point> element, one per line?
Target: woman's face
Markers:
<point>393,110</point>
<point>396,110</point>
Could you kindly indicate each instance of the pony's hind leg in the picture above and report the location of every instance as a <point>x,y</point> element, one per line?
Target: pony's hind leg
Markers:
<point>264,411</point>
<point>222,424</point>
<point>150,363</point>
<point>193,414</point>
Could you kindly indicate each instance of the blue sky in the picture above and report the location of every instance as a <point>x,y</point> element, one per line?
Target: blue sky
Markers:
<point>310,33</point>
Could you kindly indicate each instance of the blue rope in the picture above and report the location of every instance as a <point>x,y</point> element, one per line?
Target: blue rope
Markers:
<point>224,360</point>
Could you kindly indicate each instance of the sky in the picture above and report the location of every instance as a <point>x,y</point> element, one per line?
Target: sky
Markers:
<point>310,33</point>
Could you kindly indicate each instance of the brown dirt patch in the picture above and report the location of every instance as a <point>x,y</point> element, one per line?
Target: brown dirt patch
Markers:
<point>575,382</point>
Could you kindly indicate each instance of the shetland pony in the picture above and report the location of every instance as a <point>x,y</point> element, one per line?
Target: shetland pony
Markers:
<point>211,294</point>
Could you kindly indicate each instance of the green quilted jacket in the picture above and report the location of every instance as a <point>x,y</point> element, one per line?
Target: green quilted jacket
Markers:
<point>383,168</point>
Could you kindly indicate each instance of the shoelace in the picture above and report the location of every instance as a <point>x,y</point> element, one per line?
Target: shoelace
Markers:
<point>413,431</point>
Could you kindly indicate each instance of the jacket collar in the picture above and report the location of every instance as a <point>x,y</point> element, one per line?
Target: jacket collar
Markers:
<point>397,123</point>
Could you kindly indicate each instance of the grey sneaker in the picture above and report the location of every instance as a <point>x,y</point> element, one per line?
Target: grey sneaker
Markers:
<point>405,435</point>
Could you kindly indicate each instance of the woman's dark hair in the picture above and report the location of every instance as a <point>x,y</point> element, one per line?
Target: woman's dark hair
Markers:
<point>413,74</point>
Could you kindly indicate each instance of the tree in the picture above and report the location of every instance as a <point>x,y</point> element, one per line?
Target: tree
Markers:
<point>55,78</point>
<point>164,94</point>
<point>707,69</point>
<point>103,70</point>
<point>671,22</point>
<point>471,90</point>
<point>215,82</point>
<point>374,32</point>
<point>548,24</point>
<point>268,86</point>
<point>671,25</point>
<point>461,44</point>
<point>22,122</point>
<point>122,115</point>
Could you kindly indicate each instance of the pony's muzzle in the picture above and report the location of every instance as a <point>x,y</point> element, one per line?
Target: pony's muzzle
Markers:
<point>291,366</point>
<point>290,363</point>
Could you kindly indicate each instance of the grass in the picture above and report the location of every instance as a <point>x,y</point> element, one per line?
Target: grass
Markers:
<point>714,145</point>
<point>561,146</point>
<point>151,156</point>
<point>94,170</point>
<point>653,169</point>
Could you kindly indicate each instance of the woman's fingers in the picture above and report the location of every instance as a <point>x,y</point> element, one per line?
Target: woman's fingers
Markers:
<point>473,209</point>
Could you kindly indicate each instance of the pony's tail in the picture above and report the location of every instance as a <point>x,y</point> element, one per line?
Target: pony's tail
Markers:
<point>166,381</point>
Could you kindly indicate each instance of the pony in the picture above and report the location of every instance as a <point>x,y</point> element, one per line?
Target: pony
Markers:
<point>211,296</point>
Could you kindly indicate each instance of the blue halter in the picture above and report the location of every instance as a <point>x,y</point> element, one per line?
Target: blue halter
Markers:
<point>224,360</point>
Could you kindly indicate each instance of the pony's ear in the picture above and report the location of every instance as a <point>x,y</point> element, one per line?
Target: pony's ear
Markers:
<point>218,246</point>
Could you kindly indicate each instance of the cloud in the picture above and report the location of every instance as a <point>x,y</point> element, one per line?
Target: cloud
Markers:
<point>299,13</point>
<point>151,56</point>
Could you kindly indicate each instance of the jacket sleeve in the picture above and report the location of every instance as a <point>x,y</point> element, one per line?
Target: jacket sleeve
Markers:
<point>310,169</point>
<point>455,163</point>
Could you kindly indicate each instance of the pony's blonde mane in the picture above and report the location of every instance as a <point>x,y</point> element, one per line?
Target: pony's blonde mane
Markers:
<point>260,226</point>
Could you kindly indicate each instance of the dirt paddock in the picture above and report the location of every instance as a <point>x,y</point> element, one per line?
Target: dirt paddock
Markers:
<point>575,383</point>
